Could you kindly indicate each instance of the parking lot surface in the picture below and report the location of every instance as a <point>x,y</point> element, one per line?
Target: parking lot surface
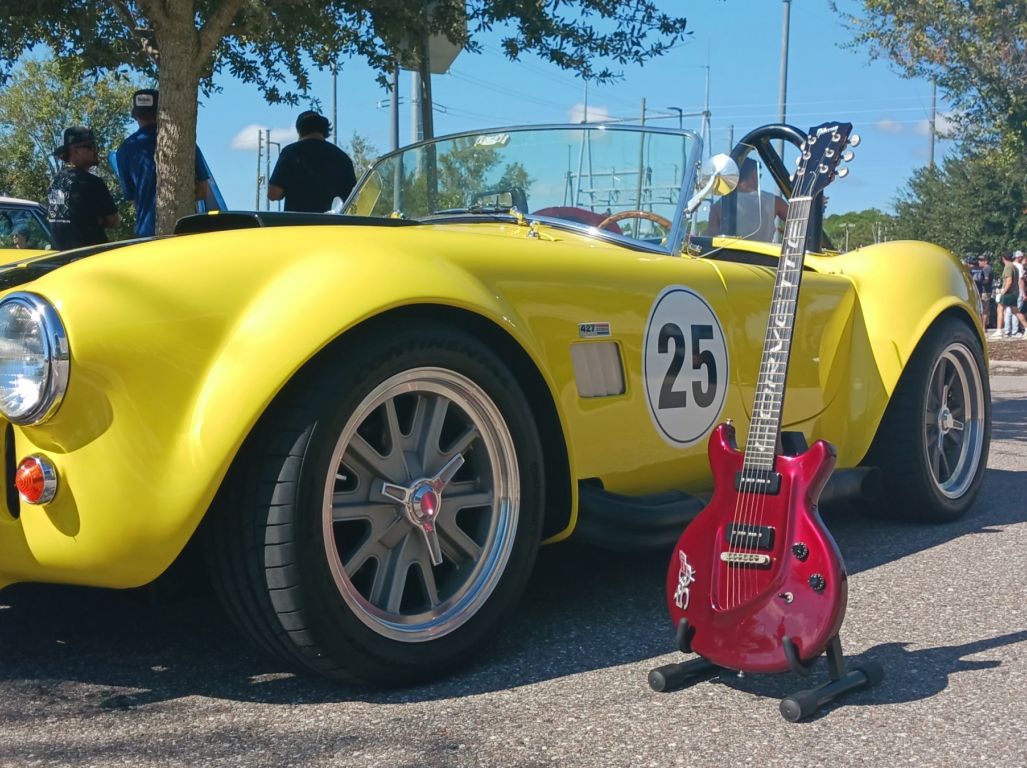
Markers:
<point>154,677</point>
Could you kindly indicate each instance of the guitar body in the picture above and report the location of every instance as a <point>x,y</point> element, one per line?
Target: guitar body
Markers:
<point>754,568</point>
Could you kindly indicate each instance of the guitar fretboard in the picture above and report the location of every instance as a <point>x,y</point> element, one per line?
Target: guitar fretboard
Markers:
<point>770,386</point>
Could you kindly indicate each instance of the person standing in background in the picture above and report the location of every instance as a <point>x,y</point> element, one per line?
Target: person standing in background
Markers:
<point>137,167</point>
<point>79,206</point>
<point>984,280</point>
<point>310,173</point>
<point>1021,284</point>
<point>1010,292</point>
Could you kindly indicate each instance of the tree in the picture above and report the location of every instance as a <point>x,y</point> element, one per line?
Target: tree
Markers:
<point>362,152</point>
<point>186,43</point>
<point>974,202</point>
<point>37,104</point>
<point>974,50</point>
<point>858,228</point>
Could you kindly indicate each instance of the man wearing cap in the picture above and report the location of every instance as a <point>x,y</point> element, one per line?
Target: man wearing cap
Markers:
<point>137,168</point>
<point>984,280</point>
<point>310,173</point>
<point>79,205</point>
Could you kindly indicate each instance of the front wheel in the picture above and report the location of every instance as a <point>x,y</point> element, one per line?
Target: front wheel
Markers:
<point>932,446</point>
<point>393,505</point>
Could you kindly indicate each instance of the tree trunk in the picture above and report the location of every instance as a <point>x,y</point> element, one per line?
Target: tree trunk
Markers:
<point>176,118</point>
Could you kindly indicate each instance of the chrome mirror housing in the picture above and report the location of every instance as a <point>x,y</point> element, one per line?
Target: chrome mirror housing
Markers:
<point>718,176</point>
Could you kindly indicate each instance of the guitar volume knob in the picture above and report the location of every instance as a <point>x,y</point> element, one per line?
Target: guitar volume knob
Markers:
<point>800,550</point>
<point>817,582</point>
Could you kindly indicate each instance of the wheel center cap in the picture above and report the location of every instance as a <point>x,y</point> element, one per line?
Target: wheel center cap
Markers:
<point>945,420</point>
<point>425,503</point>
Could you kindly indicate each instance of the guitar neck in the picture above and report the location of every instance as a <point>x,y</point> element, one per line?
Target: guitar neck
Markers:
<point>765,427</point>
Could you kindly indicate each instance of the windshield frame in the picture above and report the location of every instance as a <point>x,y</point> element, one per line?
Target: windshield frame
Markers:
<point>678,231</point>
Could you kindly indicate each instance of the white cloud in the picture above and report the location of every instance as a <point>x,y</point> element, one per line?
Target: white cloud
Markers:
<point>595,114</point>
<point>889,126</point>
<point>246,139</point>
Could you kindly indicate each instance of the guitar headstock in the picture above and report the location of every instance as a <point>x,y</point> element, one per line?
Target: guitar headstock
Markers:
<point>825,147</point>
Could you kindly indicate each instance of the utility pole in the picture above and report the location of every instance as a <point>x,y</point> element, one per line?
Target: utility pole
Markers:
<point>931,126</point>
<point>706,115</point>
<point>394,108</point>
<point>335,100</point>
<point>260,179</point>
<point>416,132</point>
<point>267,164</point>
<point>783,101</point>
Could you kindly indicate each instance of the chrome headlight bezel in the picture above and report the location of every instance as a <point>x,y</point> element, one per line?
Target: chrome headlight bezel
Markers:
<point>57,358</point>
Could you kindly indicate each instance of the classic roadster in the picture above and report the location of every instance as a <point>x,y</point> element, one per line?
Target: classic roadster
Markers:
<point>369,421</point>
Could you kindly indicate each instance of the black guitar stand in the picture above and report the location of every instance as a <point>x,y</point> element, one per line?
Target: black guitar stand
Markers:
<point>798,705</point>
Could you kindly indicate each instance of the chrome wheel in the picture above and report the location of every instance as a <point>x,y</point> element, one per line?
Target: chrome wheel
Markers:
<point>953,424</point>
<point>421,504</point>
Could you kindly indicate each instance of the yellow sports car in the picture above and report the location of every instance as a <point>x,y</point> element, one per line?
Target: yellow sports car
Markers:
<point>369,420</point>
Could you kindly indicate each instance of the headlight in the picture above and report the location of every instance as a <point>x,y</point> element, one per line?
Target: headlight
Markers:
<point>34,359</point>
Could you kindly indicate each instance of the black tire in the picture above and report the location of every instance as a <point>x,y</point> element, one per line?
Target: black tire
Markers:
<point>321,552</point>
<point>932,445</point>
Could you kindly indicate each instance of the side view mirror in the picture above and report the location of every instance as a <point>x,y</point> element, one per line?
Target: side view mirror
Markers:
<point>718,176</point>
<point>337,205</point>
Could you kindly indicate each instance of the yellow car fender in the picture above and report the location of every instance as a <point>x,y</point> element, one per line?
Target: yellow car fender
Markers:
<point>202,376</point>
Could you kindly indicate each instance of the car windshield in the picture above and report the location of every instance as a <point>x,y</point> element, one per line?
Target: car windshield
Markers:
<point>623,182</point>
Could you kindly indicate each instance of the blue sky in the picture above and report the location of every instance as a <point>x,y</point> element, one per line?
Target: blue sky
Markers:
<point>740,41</point>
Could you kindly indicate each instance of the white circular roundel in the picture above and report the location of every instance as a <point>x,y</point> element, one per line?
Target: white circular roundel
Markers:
<point>684,365</point>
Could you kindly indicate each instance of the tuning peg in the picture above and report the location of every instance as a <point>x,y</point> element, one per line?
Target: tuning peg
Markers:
<point>847,155</point>
<point>798,160</point>
<point>854,140</point>
<point>823,168</point>
<point>828,153</point>
<point>841,173</point>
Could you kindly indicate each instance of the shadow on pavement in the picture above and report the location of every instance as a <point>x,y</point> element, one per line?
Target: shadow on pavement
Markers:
<point>585,609</point>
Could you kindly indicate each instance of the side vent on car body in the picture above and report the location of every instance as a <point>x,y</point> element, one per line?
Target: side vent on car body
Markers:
<point>598,371</point>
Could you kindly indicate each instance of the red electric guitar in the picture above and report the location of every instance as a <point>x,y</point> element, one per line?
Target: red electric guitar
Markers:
<point>756,583</point>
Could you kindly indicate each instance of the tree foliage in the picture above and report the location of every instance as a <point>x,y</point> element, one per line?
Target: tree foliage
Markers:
<point>974,202</point>
<point>855,229</point>
<point>39,101</point>
<point>187,44</point>
<point>974,50</point>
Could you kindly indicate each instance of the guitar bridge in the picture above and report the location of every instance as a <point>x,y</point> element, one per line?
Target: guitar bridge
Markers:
<point>750,559</point>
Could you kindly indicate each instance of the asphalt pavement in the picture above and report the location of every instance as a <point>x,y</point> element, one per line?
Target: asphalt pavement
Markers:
<point>154,677</point>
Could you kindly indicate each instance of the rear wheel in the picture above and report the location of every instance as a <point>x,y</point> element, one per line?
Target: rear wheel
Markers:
<point>389,510</point>
<point>932,446</point>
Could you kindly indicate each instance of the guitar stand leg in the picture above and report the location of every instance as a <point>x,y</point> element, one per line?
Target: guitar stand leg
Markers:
<point>671,676</point>
<point>805,702</point>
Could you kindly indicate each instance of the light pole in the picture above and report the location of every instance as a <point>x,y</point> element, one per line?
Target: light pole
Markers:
<point>847,226</point>
<point>681,114</point>
<point>783,102</point>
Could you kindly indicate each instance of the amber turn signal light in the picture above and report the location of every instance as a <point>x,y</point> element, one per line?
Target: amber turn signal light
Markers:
<point>36,480</point>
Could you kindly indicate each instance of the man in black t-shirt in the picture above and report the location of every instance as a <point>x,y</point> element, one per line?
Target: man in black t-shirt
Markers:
<point>79,205</point>
<point>310,173</point>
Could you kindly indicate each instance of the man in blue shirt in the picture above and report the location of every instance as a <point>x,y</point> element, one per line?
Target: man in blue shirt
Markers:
<point>137,168</point>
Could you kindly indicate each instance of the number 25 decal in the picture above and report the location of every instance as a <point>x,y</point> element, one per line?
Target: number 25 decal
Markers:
<point>685,366</point>
<point>678,398</point>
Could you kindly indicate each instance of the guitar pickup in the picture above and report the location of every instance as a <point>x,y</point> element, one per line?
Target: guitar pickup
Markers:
<point>764,481</point>
<point>747,536</point>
